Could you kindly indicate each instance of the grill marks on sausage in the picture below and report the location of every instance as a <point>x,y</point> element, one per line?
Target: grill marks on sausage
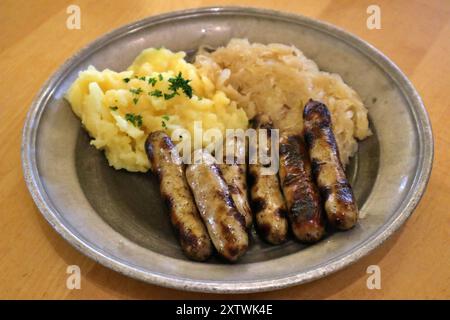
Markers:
<point>280,213</point>
<point>300,192</point>
<point>166,143</point>
<point>229,206</point>
<point>258,205</point>
<point>266,199</point>
<point>340,205</point>
<point>176,195</point>
<point>225,224</point>
<point>168,200</point>
<point>234,176</point>
<point>234,189</point>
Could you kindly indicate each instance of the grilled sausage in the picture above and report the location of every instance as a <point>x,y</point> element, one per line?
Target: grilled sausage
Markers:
<point>184,216</point>
<point>340,205</point>
<point>235,176</point>
<point>302,198</point>
<point>225,224</point>
<point>266,197</point>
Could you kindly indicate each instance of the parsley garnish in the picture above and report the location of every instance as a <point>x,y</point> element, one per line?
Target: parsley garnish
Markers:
<point>163,123</point>
<point>156,93</point>
<point>180,83</point>
<point>160,77</point>
<point>142,78</point>
<point>113,108</point>
<point>152,81</point>
<point>136,120</point>
<point>168,96</point>
<point>126,80</point>
<point>136,91</point>
<point>135,100</point>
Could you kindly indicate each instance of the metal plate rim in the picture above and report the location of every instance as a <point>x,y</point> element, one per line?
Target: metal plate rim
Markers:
<point>418,186</point>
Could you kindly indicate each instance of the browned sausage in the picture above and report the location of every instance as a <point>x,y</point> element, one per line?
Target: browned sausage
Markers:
<point>266,197</point>
<point>302,198</point>
<point>235,176</point>
<point>184,216</point>
<point>340,205</point>
<point>225,224</point>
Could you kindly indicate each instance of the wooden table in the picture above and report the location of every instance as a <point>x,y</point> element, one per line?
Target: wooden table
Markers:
<point>34,42</point>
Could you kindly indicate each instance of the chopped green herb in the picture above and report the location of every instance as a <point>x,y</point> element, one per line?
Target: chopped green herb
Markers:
<point>136,91</point>
<point>152,81</point>
<point>160,77</point>
<point>136,120</point>
<point>200,98</point>
<point>180,83</point>
<point>166,117</point>
<point>126,80</point>
<point>156,93</point>
<point>163,124</point>
<point>113,108</point>
<point>135,100</point>
<point>168,96</point>
<point>142,78</point>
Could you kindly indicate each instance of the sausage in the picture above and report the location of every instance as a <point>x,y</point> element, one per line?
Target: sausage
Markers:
<point>166,164</point>
<point>225,224</point>
<point>302,197</point>
<point>266,197</point>
<point>235,177</point>
<point>340,205</point>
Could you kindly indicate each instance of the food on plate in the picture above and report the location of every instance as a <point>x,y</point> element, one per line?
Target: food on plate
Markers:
<point>235,175</point>
<point>136,115</point>
<point>225,224</point>
<point>167,165</point>
<point>278,80</point>
<point>302,198</point>
<point>159,91</point>
<point>337,194</point>
<point>266,197</point>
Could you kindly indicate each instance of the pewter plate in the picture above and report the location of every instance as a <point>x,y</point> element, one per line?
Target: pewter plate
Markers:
<point>117,218</point>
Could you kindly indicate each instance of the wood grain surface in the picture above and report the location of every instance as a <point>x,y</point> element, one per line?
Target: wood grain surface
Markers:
<point>34,42</point>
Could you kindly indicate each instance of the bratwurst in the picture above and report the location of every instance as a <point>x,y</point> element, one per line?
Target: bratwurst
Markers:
<point>167,166</point>
<point>301,194</point>
<point>225,224</point>
<point>266,197</point>
<point>340,205</point>
<point>234,175</point>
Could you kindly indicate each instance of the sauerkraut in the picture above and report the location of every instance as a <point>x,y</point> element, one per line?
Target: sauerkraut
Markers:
<point>278,80</point>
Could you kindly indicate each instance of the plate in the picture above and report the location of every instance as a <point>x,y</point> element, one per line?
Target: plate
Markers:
<point>118,219</point>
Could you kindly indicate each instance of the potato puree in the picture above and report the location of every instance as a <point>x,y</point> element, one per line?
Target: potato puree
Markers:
<point>119,109</point>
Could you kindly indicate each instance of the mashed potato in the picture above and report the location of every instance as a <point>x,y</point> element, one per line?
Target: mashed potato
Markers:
<point>120,109</point>
<point>278,80</point>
